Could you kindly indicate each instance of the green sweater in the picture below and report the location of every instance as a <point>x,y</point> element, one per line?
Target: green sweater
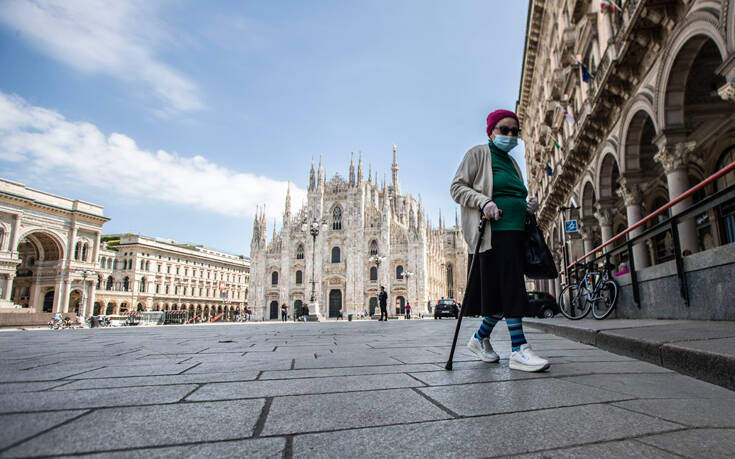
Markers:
<point>509,192</point>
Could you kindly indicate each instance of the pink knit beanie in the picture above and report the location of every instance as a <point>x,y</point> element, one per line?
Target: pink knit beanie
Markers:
<point>497,115</point>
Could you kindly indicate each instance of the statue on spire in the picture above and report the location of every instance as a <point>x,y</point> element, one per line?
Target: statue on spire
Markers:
<point>359,169</point>
<point>394,175</point>
<point>352,169</point>
<point>312,183</point>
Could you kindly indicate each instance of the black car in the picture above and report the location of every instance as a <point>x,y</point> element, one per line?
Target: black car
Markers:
<point>543,303</point>
<point>446,308</point>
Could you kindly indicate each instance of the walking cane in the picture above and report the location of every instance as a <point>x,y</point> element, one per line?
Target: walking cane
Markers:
<point>470,278</point>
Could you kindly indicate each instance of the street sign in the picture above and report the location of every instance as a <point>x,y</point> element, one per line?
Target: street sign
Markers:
<point>221,285</point>
<point>570,226</point>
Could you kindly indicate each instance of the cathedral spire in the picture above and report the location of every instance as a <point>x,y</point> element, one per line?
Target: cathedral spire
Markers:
<point>311,175</point>
<point>370,174</point>
<point>320,177</point>
<point>359,169</point>
<point>394,170</point>
<point>456,219</point>
<point>352,169</point>
<point>441,226</point>
<point>287,211</point>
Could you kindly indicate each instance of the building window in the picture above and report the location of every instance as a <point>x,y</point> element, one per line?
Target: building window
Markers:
<point>126,283</point>
<point>300,252</point>
<point>114,265</point>
<point>167,289</point>
<point>337,218</point>
<point>399,272</point>
<point>109,283</point>
<point>158,288</point>
<point>109,263</point>
<point>76,250</point>
<point>274,278</point>
<point>84,252</point>
<point>336,255</point>
<point>102,263</point>
<point>142,285</point>
<point>299,277</point>
<point>373,247</point>
<point>373,273</point>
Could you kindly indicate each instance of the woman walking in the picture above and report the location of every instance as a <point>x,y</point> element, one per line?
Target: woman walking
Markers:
<point>488,182</point>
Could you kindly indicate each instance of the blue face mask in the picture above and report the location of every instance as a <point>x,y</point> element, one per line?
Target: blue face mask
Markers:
<point>505,142</point>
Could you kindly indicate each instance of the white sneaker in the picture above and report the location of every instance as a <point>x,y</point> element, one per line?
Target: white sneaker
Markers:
<point>525,359</point>
<point>482,349</point>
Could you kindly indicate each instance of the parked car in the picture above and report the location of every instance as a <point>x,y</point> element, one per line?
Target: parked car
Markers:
<point>544,304</point>
<point>446,308</point>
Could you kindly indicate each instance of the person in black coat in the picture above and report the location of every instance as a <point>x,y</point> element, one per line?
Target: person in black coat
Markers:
<point>383,299</point>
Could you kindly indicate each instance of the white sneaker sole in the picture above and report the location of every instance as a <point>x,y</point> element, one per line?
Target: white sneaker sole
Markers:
<point>529,368</point>
<point>482,357</point>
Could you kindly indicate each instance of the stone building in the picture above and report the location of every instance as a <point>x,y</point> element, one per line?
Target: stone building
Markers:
<point>153,274</point>
<point>368,236</point>
<point>640,99</point>
<point>47,242</point>
<point>54,259</point>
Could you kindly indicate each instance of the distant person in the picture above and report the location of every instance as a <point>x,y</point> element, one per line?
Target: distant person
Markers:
<point>339,315</point>
<point>284,312</point>
<point>622,269</point>
<point>489,183</point>
<point>305,312</point>
<point>408,311</point>
<point>383,300</point>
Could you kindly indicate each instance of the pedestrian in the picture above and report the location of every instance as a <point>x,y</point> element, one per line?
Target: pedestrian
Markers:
<point>305,312</point>
<point>284,312</point>
<point>339,315</point>
<point>383,300</point>
<point>408,311</point>
<point>489,183</point>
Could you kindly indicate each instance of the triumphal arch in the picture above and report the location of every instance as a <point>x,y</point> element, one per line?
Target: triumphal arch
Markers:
<point>48,251</point>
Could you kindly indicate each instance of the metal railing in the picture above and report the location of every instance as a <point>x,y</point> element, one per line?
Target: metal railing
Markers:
<point>670,224</point>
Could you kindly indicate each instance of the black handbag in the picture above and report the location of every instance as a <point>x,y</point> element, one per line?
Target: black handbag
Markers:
<point>537,260</point>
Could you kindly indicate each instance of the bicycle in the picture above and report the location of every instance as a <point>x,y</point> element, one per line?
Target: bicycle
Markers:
<point>596,292</point>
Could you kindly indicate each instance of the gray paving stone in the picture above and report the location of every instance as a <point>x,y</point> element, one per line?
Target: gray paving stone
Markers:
<point>256,448</point>
<point>77,399</point>
<point>28,386</point>
<point>254,389</point>
<point>628,449</point>
<point>483,436</point>
<point>509,396</point>
<point>140,369</point>
<point>239,366</point>
<point>694,413</point>
<point>714,443</point>
<point>348,371</point>
<point>17,427</point>
<point>333,362</point>
<point>48,373</point>
<point>107,383</point>
<point>122,428</point>
<point>290,415</point>
<point>655,386</point>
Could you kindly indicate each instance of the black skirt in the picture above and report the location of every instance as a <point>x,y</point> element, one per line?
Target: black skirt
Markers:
<point>499,286</point>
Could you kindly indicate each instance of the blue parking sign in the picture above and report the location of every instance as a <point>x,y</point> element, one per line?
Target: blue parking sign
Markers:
<point>570,226</point>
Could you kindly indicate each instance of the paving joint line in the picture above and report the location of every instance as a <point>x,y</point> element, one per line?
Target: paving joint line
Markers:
<point>260,423</point>
<point>437,404</point>
<point>288,449</point>
<point>70,420</point>
<point>183,399</point>
<point>187,369</point>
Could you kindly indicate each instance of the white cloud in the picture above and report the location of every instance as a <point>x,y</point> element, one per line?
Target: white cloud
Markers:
<point>42,142</point>
<point>115,38</point>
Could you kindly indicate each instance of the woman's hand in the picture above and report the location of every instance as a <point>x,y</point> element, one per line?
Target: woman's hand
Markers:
<point>532,205</point>
<point>491,211</point>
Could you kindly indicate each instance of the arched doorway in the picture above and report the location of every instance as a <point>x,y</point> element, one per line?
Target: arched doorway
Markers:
<point>400,305</point>
<point>75,301</point>
<point>48,302</point>
<point>335,302</point>
<point>373,305</point>
<point>110,309</point>
<point>41,256</point>
<point>97,308</point>
<point>140,307</point>
<point>273,310</point>
<point>297,305</point>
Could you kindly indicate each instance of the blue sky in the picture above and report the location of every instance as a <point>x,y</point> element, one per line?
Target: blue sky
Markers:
<point>180,117</point>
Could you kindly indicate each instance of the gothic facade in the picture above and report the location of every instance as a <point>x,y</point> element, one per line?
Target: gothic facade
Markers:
<point>623,108</point>
<point>351,237</point>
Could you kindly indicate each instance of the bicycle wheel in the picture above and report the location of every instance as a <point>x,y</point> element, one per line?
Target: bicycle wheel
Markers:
<point>573,302</point>
<point>604,305</point>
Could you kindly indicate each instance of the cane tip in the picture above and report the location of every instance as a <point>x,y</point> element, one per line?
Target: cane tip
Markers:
<point>448,366</point>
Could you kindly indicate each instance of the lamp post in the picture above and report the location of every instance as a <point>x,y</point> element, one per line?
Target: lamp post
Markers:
<point>377,259</point>
<point>407,275</point>
<point>84,273</point>
<point>179,284</point>
<point>314,228</point>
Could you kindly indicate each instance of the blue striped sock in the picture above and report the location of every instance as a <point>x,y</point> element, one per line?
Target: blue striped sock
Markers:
<point>515,328</point>
<point>487,326</point>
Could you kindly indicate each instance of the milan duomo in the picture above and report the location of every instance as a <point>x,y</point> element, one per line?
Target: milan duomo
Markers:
<point>351,237</point>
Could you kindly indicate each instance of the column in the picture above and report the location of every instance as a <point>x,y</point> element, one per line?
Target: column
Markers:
<point>586,239</point>
<point>674,159</point>
<point>96,253</point>
<point>90,299</point>
<point>71,244</point>
<point>631,194</point>
<point>15,237</point>
<point>604,217</point>
<point>8,287</point>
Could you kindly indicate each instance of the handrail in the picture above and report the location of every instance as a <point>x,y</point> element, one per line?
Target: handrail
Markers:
<point>730,167</point>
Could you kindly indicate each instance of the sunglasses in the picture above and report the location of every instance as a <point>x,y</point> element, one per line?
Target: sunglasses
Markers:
<point>505,130</point>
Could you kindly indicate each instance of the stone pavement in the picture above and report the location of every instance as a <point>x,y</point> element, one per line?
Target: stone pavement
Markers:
<point>361,389</point>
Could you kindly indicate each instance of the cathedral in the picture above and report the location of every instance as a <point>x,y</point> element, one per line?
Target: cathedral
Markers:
<point>350,238</point>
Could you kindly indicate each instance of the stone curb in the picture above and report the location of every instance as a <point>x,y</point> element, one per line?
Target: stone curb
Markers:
<point>711,367</point>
